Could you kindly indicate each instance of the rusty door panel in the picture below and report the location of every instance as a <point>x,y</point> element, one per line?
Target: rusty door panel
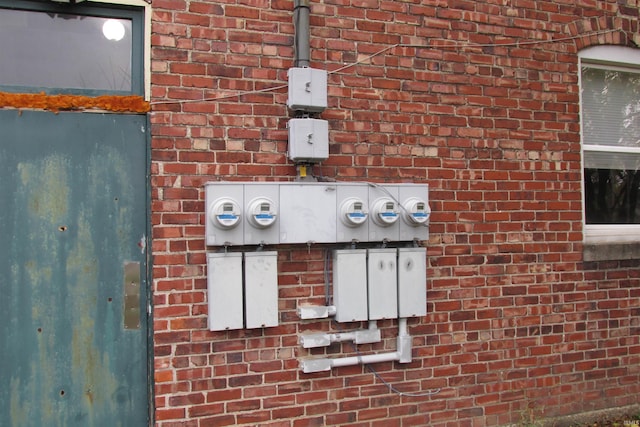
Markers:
<point>72,215</point>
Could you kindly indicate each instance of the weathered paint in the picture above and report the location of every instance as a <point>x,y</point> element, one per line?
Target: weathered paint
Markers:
<point>72,210</point>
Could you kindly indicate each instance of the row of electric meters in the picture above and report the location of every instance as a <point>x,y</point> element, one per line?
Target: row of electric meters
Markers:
<point>259,213</point>
<point>368,284</point>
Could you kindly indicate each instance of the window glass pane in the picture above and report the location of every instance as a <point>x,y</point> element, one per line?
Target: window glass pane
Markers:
<point>53,50</point>
<point>611,196</point>
<point>610,107</point>
<point>611,160</point>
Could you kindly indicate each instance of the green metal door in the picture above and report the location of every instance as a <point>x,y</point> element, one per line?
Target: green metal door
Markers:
<point>73,271</point>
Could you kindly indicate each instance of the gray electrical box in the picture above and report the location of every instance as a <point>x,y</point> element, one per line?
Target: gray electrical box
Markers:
<point>350,285</point>
<point>261,289</point>
<point>412,282</point>
<point>224,291</point>
<point>308,140</point>
<point>382,275</point>
<point>307,89</point>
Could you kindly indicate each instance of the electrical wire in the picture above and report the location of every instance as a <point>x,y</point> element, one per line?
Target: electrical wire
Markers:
<point>387,384</point>
<point>454,45</point>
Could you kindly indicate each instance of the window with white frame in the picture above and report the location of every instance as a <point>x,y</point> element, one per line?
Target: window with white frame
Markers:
<point>610,116</point>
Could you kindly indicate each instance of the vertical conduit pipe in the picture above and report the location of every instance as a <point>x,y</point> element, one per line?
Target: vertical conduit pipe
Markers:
<point>302,34</point>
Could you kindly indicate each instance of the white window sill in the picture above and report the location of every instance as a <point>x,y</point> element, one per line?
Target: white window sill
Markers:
<point>611,242</point>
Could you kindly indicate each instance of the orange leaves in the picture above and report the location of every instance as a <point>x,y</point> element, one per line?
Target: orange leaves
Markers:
<point>55,103</point>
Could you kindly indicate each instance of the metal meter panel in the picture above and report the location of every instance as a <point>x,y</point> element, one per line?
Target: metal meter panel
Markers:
<point>308,213</point>
<point>261,289</point>
<point>224,291</point>
<point>383,284</point>
<point>224,224</point>
<point>308,140</point>
<point>412,282</point>
<point>350,285</point>
<point>384,213</point>
<point>415,211</point>
<point>353,213</point>
<point>262,213</point>
<point>307,89</point>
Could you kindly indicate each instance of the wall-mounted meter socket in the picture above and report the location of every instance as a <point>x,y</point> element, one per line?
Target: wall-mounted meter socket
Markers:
<point>416,211</point>
<point>225,213</point>
<point>353,212</point>
<point>385,212</point>
<point>262,212</point>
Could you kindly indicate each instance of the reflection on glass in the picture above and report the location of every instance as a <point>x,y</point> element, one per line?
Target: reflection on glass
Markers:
<point>611,196</point>
<point>52,50</point>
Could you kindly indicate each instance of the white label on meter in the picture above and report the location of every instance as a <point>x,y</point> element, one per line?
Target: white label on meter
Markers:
<point>262,212</point>
<point>385,212</point>
<point>353,212</point>
<point>225,213</point>
<point>417,211</point>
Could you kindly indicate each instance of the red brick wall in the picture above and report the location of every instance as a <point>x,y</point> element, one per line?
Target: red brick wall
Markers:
<point>487,115</point>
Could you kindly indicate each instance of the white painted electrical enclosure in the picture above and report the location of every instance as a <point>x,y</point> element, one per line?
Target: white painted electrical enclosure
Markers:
<point>224,291</point>
<point>412,282</point>
<point>350,285</point>
<point>261,289</point>
<point>382,276</point>
<point>307,89</point>
<point>270,213</point>
<point>308,140</point>
<point>308,213</point>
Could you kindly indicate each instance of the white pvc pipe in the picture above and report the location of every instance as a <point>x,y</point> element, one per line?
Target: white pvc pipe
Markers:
<point>364,359</point>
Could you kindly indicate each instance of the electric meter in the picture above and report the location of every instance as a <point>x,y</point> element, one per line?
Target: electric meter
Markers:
<point>416,211</point>
<point>353,212</point>
<point>225,213</point>
<point>262,212</point>
<point>385,212</point>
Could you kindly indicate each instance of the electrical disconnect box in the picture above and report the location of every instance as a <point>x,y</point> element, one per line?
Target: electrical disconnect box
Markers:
<point>242,290</point>
<point>308,140</point>
<point>307,89</point>
<point>382,276</point>
<point>412,279</point>
<point>350,285</point>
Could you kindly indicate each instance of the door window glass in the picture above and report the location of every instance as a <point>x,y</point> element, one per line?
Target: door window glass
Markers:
<point>58,50</point>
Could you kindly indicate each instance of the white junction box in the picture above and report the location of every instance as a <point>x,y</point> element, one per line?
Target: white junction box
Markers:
<point>308,140</point>
<point>261,289</point>
<point>350,285</point>
<point>382,276</point>
<point>224,291</point>
<point>412,282</point>
<point>307,89</point>
<point>308,213</point>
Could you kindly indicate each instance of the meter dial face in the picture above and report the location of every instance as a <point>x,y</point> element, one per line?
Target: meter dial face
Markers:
<point>262,212</point>
<point>353,212</point>
<point>385,212</point>
<point>416,211</point>
<point>225,213</point>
